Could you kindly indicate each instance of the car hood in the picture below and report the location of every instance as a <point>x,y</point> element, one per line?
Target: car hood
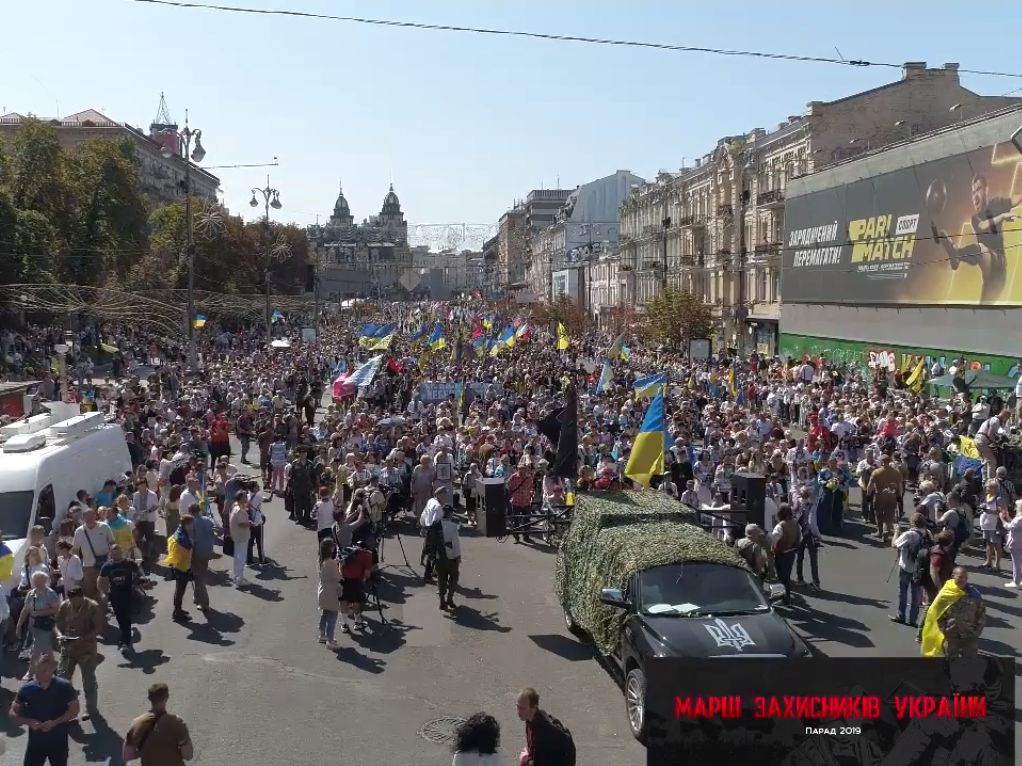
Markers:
<point>726,636</point>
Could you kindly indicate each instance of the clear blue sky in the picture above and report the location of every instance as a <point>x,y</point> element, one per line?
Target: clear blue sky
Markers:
<point>464,124</point>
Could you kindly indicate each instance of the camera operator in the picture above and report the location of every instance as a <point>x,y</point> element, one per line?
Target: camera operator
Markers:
<point>356,568</point>
<point>376,503</point>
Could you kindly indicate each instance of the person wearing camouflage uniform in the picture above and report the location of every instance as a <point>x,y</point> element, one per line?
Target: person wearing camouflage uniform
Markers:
<point>963,622</point>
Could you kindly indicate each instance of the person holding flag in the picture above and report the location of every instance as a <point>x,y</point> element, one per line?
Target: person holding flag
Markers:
<point>563,341</point>
<point>646,460</point>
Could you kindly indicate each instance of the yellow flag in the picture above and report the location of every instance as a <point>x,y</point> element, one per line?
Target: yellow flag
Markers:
<point>563,341</point>
<point>915,380</point>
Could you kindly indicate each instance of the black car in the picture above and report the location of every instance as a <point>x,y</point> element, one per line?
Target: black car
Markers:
<point>694,610</point>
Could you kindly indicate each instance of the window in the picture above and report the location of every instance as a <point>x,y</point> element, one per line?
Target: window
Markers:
<point>15,513</point>
<point>775,278</point>
<point>763,289</point>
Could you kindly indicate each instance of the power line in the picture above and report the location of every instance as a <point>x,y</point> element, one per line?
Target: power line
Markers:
<point>553,37</point>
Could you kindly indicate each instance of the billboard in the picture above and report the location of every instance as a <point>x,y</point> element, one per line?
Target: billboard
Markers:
<point>944,232</point>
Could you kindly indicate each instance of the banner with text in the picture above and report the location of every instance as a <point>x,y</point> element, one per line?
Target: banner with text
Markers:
<point>830,710</point>
<point>944,232</point>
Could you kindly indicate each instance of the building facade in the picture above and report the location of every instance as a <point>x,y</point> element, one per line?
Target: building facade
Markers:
<point>369,259</point>
<point>586,226</point>
<point>716,228</point>
<point>161,179</point>
<point>516,229</point>
<point>891,257</point>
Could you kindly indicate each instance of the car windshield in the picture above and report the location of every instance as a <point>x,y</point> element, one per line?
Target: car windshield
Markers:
<point>699,589</point>
<point>15,513</point>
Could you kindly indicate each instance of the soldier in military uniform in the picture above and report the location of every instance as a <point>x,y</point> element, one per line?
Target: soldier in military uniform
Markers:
<point>963,622</point>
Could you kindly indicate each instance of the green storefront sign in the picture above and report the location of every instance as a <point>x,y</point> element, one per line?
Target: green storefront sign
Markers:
<point>865,355</point>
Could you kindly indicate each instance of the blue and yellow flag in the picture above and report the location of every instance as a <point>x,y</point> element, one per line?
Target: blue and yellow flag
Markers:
<point>605,377</point>
<point>276,316</point>
<point>617,349</point>
<point>647,457</point>
<point>437,340</point>
<point>6,562</point>
<point>480,344</point>
<point>648,385</point>
<point>418,334</point>
<point>563,341</point>
<point>199,321</point>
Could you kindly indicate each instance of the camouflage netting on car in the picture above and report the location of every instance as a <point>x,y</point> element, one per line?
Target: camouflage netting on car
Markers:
<point>614,536</point>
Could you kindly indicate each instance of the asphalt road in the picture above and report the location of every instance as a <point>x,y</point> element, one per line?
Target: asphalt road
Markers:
<point>256,688</point>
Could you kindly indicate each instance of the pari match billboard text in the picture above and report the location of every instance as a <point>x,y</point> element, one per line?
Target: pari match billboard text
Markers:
<point>944,232</point>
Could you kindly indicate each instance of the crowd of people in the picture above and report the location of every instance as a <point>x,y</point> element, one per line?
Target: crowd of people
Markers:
<point>436,418</point>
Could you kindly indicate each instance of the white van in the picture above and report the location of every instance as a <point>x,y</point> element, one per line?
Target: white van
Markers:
<point>44,464</point>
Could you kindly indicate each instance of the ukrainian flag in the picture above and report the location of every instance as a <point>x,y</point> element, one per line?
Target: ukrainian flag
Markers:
<point>437,340</point>
<point>605,376</point>
<point>480,344</point>
<point>506,340</point>
<point>199,321</point>
<point>647,457</point>
<point>6,562</point>
<point>488,322</point>
<point>418,334</point>
<point>617,349</point>
<point>649,385</point>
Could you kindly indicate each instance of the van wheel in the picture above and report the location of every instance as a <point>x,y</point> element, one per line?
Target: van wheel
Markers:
<point>635,703</point>
<point>571,625</point>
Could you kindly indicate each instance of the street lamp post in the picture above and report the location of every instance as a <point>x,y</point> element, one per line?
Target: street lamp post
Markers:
<point>271,198</point>
<point>198,154</point>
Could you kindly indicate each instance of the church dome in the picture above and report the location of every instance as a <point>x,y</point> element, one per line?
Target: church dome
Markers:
<point>391,202</point>
<point>341,205</point>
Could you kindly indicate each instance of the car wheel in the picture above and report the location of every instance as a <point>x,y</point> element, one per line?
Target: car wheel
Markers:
<point>635,703</point>
<point>571,625</point>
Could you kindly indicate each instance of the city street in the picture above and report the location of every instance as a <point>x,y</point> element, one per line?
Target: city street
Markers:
<point>255,661</point>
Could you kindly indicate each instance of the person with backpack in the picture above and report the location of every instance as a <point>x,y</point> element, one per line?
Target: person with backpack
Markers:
<point>955,519</point>
<point>913,546</point>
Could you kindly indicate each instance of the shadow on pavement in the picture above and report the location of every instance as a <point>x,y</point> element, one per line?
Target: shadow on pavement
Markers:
<point>223,622</point>
<point>261,592</point>
<point>384,639</point>
<point>816,626</point>
<point>564,647</point>
<point>847,598</point>
<point>351,656</point>
<point>103,745</point>
<point>392,586</point>
<point>274,571</point>
<point>468,617</point>
<point>206,633</point>
<point>146,660</point>
<point>9,729</point>
<point>476,594</point>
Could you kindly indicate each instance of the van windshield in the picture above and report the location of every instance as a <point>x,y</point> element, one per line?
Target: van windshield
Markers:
<point>15,513</point>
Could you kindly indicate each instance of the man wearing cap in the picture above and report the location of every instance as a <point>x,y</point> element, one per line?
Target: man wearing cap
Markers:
<point>158,737</point>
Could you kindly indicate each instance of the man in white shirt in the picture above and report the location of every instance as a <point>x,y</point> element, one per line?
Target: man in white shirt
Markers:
<point>92,541</point>
<point>190,496</point>
<point>448,560</point>
<point>324,514</point>
<point>144,503</point>
<point>986,438</point>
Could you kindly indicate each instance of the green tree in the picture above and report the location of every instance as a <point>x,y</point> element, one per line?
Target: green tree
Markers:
<point>675,316</point>
<point>564,310</point>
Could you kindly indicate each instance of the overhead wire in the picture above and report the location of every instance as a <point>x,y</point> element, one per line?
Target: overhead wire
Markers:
<point>552,37</point>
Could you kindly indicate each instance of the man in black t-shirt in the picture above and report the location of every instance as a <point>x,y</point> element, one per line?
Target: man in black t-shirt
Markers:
<point>988,252</point>
<point>117,580</point>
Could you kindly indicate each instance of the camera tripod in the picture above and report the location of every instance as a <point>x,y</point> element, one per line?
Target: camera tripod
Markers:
<point>401,545</point>
<point>373,598</point>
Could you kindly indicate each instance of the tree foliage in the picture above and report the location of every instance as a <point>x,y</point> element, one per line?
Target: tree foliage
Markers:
<point>79,216</point>
<point>564,310</point>
<point>675,316</point>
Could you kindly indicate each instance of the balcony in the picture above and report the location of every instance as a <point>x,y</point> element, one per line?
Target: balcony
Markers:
<point>725,211</point>
<point>770,198</point>
<point>691,221</point>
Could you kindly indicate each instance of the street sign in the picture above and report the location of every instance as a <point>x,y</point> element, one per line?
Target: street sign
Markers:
<point>410,279</point>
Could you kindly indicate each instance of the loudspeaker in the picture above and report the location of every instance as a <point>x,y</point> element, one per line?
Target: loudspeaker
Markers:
<point>748,493</point>
<point>491,515</point>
